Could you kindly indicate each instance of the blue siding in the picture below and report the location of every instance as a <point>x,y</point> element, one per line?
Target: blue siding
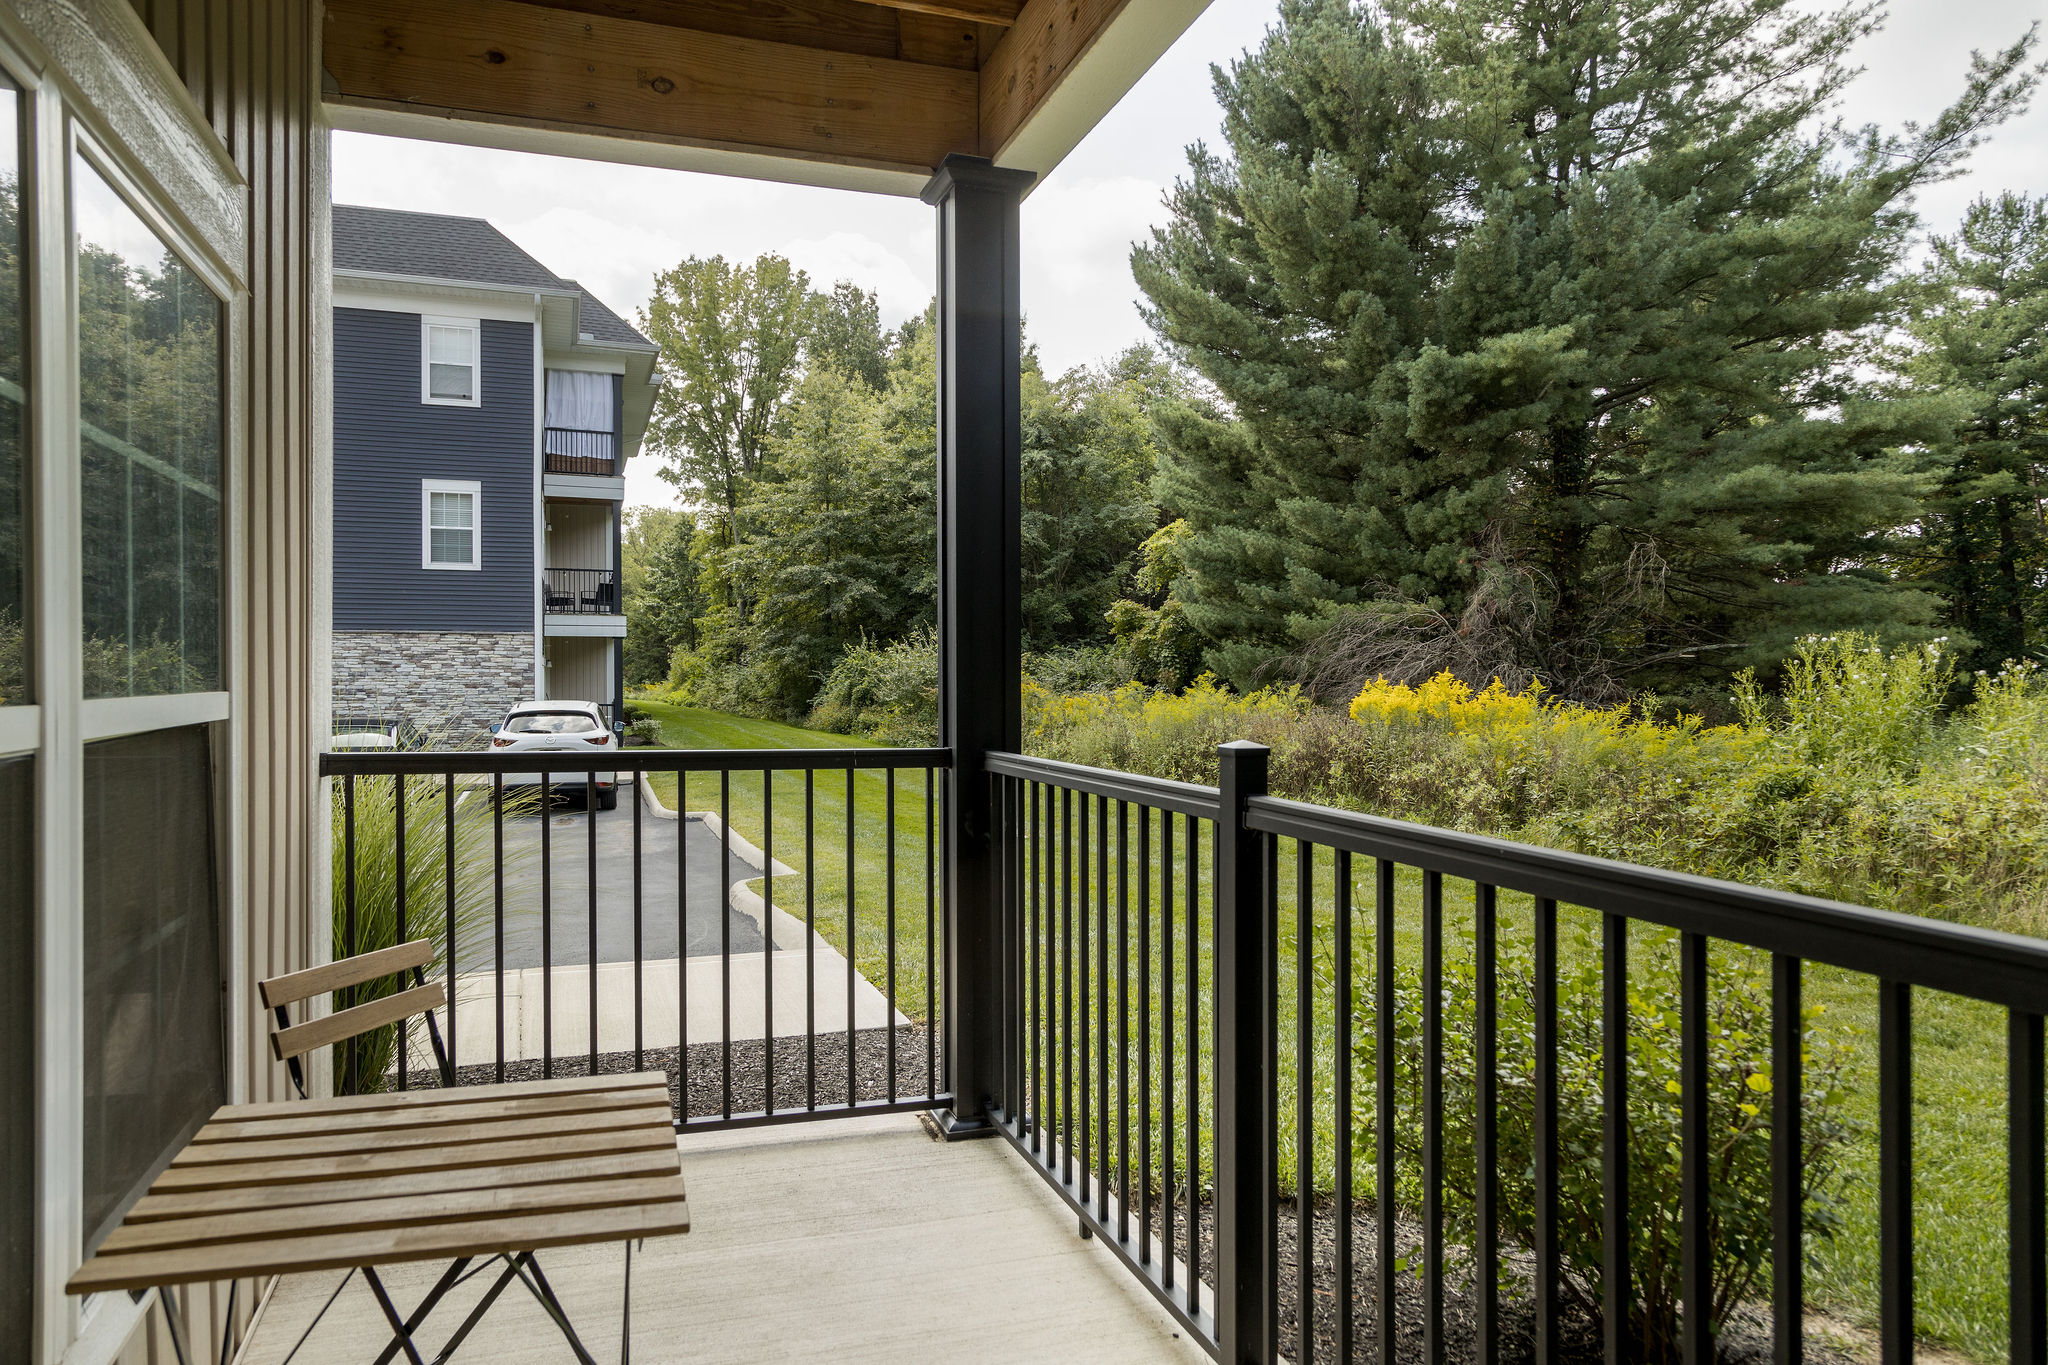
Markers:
<point>386,441</point>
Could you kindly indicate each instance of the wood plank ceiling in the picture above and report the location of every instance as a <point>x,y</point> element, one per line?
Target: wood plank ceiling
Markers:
<point>891,86</point>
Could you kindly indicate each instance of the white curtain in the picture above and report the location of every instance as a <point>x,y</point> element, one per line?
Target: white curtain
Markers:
<point>577,401</point>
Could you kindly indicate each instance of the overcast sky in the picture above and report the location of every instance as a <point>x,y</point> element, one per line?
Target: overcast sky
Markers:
<point>611,227</point>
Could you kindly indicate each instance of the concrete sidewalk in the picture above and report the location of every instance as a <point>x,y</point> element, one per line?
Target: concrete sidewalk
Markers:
<point>527,1004</point>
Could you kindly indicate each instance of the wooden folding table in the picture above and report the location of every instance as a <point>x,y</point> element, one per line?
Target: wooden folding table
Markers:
<point>474,1173</point>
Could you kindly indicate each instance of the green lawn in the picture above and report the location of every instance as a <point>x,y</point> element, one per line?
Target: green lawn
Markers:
<point>820,889</point>
<point>1959,1158</point>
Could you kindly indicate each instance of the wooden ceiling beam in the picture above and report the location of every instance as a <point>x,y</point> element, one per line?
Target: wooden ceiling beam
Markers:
<point>524,65</point>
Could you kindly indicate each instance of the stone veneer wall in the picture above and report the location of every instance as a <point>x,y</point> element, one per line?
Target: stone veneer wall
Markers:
<point>454,684</point>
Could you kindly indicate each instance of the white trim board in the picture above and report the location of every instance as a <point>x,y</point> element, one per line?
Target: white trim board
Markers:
<point>111,717</point>
<point>588,626</point>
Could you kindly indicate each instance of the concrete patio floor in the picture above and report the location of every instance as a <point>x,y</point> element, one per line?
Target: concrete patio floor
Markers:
<point>849,1240</point>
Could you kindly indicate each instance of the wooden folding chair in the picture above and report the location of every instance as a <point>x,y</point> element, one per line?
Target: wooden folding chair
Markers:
<point>289,1042</point>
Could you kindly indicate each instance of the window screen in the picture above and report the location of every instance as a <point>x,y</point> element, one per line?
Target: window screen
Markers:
<point>451,527</point>
<point>451,363</point>
<point>150,408</point>
<point>17,1056</point>
<point>14,667</point>
<point>153,990</point>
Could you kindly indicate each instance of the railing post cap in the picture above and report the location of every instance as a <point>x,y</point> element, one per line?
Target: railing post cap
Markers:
<point>1244,746</point>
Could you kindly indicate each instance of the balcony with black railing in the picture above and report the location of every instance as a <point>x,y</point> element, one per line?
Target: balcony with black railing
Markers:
<point>1326,1086</point>
<point>580,592</point>
<point>572,451</point>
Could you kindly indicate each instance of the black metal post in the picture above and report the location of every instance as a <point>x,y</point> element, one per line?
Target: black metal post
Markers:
<point>980,329</point>
<point>1247,1254</point>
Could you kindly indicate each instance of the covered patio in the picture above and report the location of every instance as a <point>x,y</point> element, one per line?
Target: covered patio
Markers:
<point>861,1240</point>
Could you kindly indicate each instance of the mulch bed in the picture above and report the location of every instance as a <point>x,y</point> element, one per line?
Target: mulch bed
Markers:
<point>1746,1341</point>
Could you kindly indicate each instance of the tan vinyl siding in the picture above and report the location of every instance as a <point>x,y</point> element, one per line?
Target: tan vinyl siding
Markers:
<point>580,669</point>
<point>579,535</point>
<point>254,69</point>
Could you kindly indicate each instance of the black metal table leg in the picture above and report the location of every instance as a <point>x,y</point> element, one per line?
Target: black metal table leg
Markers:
<point>174,1323</point>
<point>449,1279</point>
<point>545,1293</point>
<point>626,1313</point>
<point>398,1327</point>
<point>483,1306</point>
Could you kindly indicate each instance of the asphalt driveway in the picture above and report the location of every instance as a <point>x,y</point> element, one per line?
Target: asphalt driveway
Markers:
<point>570,892</point>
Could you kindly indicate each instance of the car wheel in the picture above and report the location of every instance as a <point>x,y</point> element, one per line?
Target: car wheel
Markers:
<point>608,799</point>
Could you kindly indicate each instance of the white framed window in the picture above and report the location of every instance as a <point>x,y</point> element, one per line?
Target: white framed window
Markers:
<point>451,523</point>
<point>451,369</point>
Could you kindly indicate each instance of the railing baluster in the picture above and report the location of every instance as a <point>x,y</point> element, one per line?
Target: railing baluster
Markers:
<point>1168,1153</point>
<point>1304,1097</point>
<point>683,946</point>
<point>1191,1191</point>
<point>401,886</point>
<point>811,939</point>
<point>1383,1115</point>
<point>1486,1134</point>
<point>1081,1063</point>
<point>768,941</point>
<point>2027,1198</point>
<point>639,927</point>
<point>725,942</point>
<point>1788,1176</point>
<point>349,1063</point>
<point>590,859</point>
<point>1102,1142</point>
<point>498,916</point>
<point>1547,1266</point>
<point>1123,1022</point>
<point>1433,1116</point>
<point>1895,1170</point>
<point>1614,1258</point>
<point>1695,1172</point>
<point>889,921</point>
<point>1340,1152</point>
<point>547,930</point>
<point>852,948</point>
<point>1035,1083</point>
<point>1145,1037</point>
<point>448,924</point>
<point>1066,1047</point>
<point>931,976</point>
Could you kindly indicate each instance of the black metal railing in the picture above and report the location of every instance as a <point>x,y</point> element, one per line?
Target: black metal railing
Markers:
<point>572,451</point>
<point>526,901</point>
<point>580,592</point>
<point>1246,1002</point>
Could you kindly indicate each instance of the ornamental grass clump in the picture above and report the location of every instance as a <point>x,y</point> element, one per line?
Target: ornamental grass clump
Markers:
<point>369,1061</point>
<point>1739,1095</point>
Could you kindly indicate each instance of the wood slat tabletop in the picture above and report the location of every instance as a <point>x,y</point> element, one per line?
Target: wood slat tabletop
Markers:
<point>427,1174</point>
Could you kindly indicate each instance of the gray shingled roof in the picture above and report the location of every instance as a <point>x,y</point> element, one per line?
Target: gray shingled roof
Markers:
<point>440,246</point>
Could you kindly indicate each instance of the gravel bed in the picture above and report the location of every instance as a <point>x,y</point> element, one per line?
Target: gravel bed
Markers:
<point>749,1071</point>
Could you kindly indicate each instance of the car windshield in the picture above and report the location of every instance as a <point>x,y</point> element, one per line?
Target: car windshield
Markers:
<point>550,723</point>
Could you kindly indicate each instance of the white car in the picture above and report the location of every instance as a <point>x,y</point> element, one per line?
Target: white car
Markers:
<point>569,727</point>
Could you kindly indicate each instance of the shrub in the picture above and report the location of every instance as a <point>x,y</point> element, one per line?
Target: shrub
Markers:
<point>644,730</point>
<point>888,692</point>
<point>1739,1098</point>
<point>1847,702</point>
<point>372,1056</point>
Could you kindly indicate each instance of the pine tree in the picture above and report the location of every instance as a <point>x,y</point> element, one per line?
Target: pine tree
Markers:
<point>1980,336</point>
<point>1535,323</point>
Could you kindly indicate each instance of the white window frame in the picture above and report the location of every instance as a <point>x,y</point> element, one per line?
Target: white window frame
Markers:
<point>475,490</point>
<point>475,328</point>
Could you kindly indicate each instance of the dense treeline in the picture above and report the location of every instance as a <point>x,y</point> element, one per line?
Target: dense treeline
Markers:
<point>1508,338</point>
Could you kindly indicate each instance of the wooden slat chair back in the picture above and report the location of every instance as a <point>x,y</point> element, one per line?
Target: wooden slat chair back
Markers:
<point>289,1042</point>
